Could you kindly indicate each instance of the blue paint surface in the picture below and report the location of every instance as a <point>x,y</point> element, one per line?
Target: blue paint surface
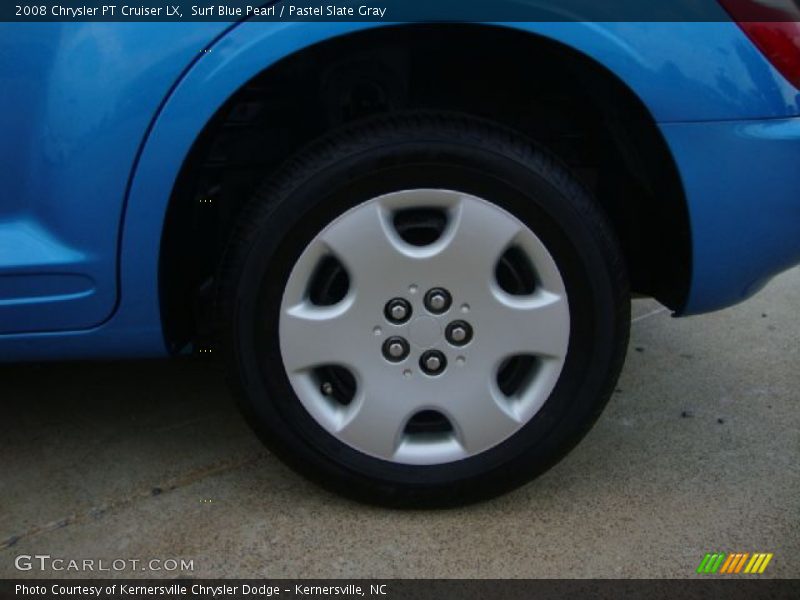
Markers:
<point>97,118</point>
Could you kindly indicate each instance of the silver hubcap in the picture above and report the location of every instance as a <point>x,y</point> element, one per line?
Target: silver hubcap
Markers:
<point>447,357</point>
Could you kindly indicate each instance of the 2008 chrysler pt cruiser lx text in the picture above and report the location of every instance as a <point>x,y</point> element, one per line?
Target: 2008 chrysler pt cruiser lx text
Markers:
<point>414,245</point>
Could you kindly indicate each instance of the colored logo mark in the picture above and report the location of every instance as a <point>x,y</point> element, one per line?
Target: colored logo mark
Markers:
<point>734,563</point>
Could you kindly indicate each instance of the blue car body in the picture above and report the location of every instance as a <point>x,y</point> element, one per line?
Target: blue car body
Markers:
<point>98,118</point>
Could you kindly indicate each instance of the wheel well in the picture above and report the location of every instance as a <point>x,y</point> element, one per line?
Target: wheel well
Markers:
<point>556,96</point>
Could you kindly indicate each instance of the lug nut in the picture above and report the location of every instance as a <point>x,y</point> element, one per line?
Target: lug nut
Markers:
<point>433,362</point>
<point>438,300</point>
<point>395,349</point>
<point>397,311</point>
<point>459,333</point>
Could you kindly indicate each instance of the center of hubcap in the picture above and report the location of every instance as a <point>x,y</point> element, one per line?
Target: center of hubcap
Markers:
<point>424,332</point>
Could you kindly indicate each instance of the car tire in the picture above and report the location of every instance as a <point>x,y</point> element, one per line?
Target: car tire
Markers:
<point>348,364</point>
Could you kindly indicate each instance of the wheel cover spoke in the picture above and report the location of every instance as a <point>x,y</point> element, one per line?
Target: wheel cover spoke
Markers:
<point>476,238</point>
<point>481,418</point>
<point>365,244</point>
<point>317,334</point>
<point>376,421</point>
<point>533,326</point>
